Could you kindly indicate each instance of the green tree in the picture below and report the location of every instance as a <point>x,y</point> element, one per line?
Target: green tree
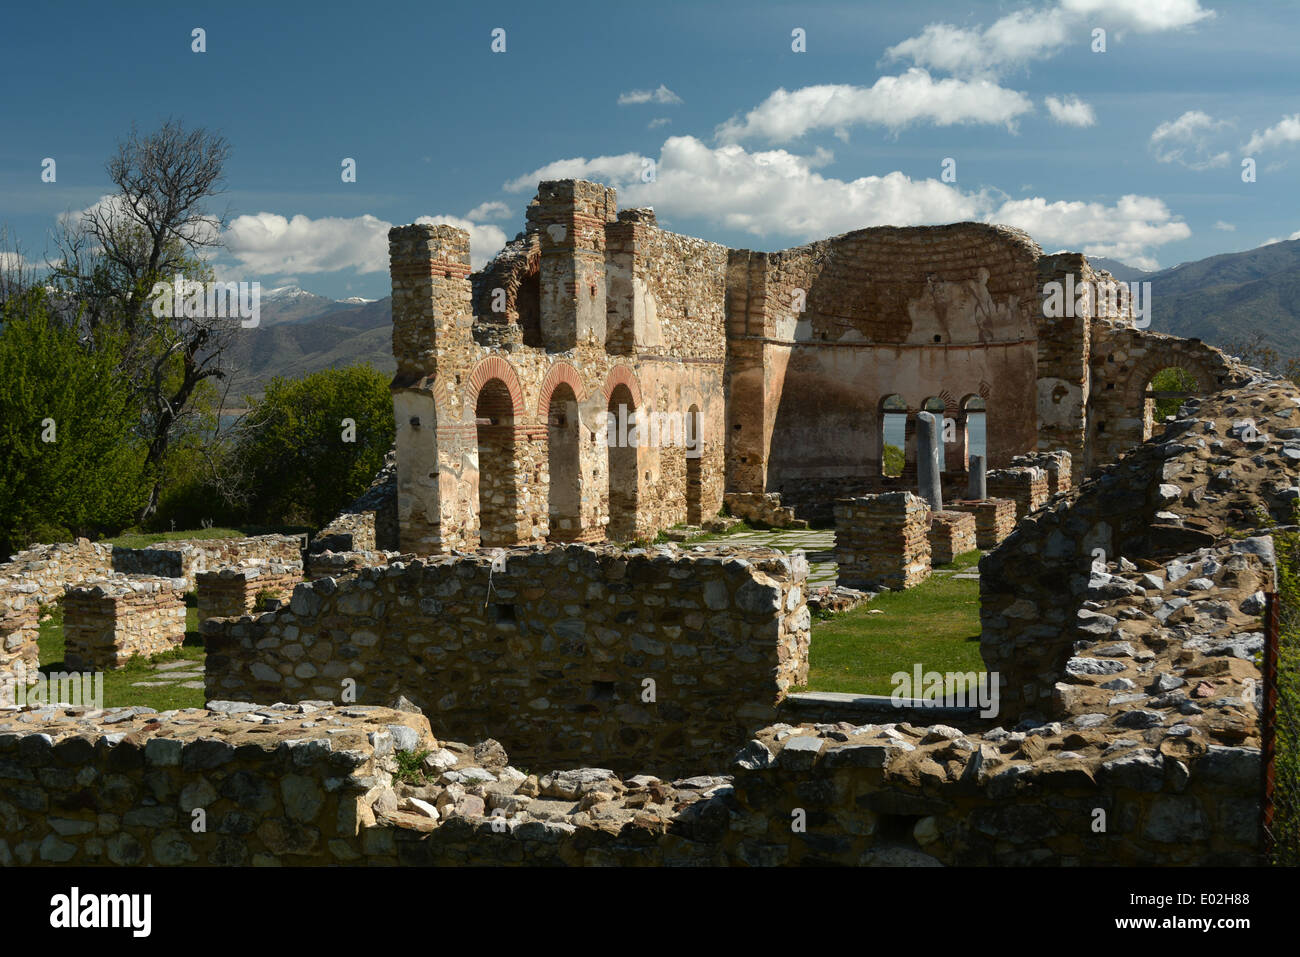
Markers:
<point>1171,379</point>
<point>313,444</point>
<point>894,460</point>
<point>70,452</point>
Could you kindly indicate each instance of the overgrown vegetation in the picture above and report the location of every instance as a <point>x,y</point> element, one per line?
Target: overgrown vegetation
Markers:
<point>1286,768</point>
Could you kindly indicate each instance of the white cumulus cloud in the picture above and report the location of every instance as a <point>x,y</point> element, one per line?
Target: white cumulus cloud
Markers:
<point>1070,111</point>
<point>892,102</point>
<point>778,193</point>
<point>1030,34</point>
<point>271,244</point>
<point>490,210</point>
<point>1286,130</point>
<point>1189,141</point>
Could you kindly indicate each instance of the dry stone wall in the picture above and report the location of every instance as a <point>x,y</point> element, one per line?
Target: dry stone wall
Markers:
<point>1166,531</point>
<point>314,784</point>
<point>561,651</point>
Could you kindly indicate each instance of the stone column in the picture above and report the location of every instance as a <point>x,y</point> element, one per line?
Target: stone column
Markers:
<point>977,488</point>
<point>929,468</point>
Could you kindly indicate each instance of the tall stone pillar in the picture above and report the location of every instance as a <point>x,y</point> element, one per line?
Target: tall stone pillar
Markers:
<point>929,464</point>
<point>570,216</point>
<point>432,316</point>
<point>977,488</point>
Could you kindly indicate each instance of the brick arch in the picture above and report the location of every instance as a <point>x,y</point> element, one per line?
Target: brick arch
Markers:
<point>622,375</point>
<point>494,367</point>
<point>1203,368</point>
<point>560,372</point>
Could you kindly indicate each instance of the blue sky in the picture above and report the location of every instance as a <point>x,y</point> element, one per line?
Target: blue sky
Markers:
<point>1132,153</point>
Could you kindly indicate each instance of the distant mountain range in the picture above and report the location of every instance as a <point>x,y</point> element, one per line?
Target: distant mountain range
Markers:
<point>1227,299</point>
<point>300,332</point>
<point>1223,300</point>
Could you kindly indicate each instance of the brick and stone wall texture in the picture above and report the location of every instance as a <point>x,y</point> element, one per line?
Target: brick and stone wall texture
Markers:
<point>236,591</point>
<point>765,509</point>
<point>952,533</point>
<point>314,784</point>
<point>1025,485</point>
<point>642,658</point>
<point>333,564</point>
<point>1057,465</point>
<point>291,784</point>
<point>19,630</point>
<point>894,308</point>
<point>1123,361</point>
<point>109,621</point>
<point>882,541</point>
<point>995,519</point>
<point>1174,536</point>
<point>52,567</point>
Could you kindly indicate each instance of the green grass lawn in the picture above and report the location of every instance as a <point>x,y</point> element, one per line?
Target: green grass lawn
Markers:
<point>936,624</point>
<point>119,688</point>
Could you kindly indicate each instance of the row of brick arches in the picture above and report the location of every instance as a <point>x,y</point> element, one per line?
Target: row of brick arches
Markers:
<point>507,475</point>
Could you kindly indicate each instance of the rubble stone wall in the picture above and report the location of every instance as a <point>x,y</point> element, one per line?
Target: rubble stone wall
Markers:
<point>107,622</point>
<point>1166,533</point>
<point>642,658</point>
<point>236,591</point>
<point>314,784</point>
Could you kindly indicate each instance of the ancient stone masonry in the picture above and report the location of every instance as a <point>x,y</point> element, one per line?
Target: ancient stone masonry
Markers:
<point>108,621</point>
<point>315,784</point>
<point>52,567</point>
<point>642,657</point>
<point>756,360</point>
<point>237,590</point>
<point>882,541</point>
<point>1025,485</point>
<point>763,510</point>
<point>995,519</point>
<point>19,655</point>
<point>1162,544</point>
<point>952,533</point>
<point>329,564</point>
<point>1055,463</point>
<point>287,784</point>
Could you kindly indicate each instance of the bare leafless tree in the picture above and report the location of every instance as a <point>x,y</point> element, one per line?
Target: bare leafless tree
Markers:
<point>157,226</point>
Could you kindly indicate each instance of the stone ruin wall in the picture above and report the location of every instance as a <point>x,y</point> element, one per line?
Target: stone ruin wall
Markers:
<point>551,655</point>
<point>882,541</point>
<point>315,784</point>
<point>645,318</point>
<point>1194,488</point>
<point>109,621</point>
<point>52,567</point>
<point>946,312</point>
<point>1124,359</point>
<point>236,591</point>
